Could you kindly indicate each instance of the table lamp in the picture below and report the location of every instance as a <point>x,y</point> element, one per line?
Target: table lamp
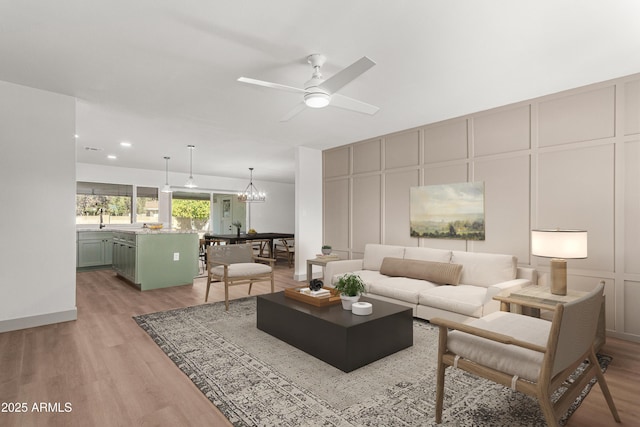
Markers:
<point>559,245</point>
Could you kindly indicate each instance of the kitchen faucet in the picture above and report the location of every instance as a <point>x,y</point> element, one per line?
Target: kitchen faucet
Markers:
<point>102,224</point>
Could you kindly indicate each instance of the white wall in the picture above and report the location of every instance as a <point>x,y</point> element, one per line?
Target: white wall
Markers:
<point>308,208</point>
<point>37,171</point>
<point>277,214</point>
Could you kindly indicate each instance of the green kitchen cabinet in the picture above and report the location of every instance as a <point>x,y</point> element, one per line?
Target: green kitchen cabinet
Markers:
<point>94,249</point>
<point>156,259</point>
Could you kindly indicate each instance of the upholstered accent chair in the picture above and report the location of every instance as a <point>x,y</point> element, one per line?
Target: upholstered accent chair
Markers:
<point>530,355</point>
<point>236,265</point>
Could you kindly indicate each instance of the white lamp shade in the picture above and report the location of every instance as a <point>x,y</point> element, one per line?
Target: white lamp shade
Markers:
<point>559,243</point>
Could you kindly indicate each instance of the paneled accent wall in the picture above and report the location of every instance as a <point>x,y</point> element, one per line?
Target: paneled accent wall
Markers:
<point>568,160</point>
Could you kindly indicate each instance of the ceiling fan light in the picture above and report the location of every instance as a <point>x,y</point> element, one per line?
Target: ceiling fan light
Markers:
<point>317,99</point>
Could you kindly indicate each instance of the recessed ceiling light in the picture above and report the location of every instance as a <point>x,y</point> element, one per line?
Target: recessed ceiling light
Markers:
<point>76,136</point>
<point>111,156</point>
<point>125,144</point>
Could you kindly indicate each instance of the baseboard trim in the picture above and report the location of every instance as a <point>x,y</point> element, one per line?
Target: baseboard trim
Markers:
<point>39,320</point>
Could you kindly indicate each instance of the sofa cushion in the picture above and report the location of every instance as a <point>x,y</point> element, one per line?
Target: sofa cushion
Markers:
<point>437,272</point>
<point>374,254</point>
<point>484,269</point>
<point>428,254</point>
<point>400,288</point>
<point>504,357</point>
<point>463,299</point>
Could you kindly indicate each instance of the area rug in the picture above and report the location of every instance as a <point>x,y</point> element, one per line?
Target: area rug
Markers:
<point>258,380</point>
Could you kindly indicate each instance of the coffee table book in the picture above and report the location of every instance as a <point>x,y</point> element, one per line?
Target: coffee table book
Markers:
<point>322,301</point>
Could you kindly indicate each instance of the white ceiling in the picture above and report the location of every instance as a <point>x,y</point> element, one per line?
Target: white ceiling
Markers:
<point>162,73</point>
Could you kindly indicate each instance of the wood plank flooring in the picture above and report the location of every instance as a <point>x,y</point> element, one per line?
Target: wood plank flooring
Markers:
<point>112,374</point>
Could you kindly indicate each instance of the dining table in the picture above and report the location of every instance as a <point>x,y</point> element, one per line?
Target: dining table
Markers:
<point>244,237</point>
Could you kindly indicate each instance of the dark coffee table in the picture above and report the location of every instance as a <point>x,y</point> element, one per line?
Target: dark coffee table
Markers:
<point>334,335</point>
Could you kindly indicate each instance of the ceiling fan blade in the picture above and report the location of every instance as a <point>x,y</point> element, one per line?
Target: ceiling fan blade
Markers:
<point>347,103</point>
<point>345,76</point>
<point>294,112</point>
<point>270,85</point>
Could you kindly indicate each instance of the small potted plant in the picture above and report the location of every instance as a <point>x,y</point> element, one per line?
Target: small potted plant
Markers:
<point>326,250</point>
<point>350,286</point>
<point>238,226</point>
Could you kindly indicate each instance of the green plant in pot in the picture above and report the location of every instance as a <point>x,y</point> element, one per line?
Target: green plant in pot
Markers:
<point>326,249</point>
<point>350,286</point>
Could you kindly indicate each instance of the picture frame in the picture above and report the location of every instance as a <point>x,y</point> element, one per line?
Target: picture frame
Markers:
<point>448,211</point>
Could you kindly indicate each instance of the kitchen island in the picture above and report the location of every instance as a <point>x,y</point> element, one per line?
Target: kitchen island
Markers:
<point>150,259</point>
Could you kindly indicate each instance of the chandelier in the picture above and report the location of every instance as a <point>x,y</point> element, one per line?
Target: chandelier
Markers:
<point>251,193</point>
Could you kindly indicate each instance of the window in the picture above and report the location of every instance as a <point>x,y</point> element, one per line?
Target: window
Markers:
<point>146,204</point>
<point>112,200</point>
<point>190,211</point>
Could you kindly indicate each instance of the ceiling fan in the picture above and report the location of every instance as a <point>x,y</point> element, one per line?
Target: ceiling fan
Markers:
<point>319,93</point>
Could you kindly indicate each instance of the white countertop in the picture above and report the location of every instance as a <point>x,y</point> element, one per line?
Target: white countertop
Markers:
<point>138,230</point>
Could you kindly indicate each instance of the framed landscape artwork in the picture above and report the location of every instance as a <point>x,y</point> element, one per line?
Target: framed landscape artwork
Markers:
<point>449,211</point>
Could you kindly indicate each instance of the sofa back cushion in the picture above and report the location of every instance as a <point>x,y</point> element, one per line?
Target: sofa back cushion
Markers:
<point>484,269</point>
<point>428,254</point>
<point>436,272</point>
<point>374,254</point>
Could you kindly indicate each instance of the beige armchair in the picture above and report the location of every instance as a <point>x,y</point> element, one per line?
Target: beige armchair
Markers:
<point>236,265</point>
<point>530,355</point>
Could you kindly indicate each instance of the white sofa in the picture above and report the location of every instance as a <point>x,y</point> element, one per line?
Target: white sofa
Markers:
<point>481,277</point>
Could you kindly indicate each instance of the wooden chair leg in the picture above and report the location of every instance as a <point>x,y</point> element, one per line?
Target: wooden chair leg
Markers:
<point>206,295</point>
<point>250,285</point>
<point>442,345</point>
<point>604,387</point>
<point>226,295</point>
<point>544,400</point>
<point>272,284</point>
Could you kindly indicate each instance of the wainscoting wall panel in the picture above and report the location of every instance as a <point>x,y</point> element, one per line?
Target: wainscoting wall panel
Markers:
<point>576,190</point>
<point>367,156</point>
<point>402,149</point>
<point>632,108</point>
<point>583,116</point>
<point>336,202</point>
<point>502,131</point>
<point>507,205</point>
<point>445,141</point>
<point>366,208</point>
<point>396,206</point>
<point>632,207</point>
<point>566,160</point>
<point>336,162</point>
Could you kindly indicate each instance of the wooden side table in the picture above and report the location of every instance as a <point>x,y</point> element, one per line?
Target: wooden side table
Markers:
<point>322,262</point>
<point>540,298</point>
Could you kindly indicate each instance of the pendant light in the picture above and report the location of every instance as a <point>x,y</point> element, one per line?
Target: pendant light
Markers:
<point>167,187</point>
<point>190,183</point>
<point>251,193</point>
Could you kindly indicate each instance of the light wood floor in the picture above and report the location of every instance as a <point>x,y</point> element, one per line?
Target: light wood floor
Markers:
<point>112,373</point>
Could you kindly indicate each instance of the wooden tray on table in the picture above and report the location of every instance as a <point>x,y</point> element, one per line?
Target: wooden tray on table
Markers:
<point>324,301</point>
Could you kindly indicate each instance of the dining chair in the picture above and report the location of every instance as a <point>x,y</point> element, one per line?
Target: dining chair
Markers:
<point>261,247</point>
<point>527,354</point>
<point>236,265</point>
<point>285,248</point>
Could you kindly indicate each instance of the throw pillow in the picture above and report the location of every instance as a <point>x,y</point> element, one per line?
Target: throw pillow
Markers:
<point>437,272</point>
